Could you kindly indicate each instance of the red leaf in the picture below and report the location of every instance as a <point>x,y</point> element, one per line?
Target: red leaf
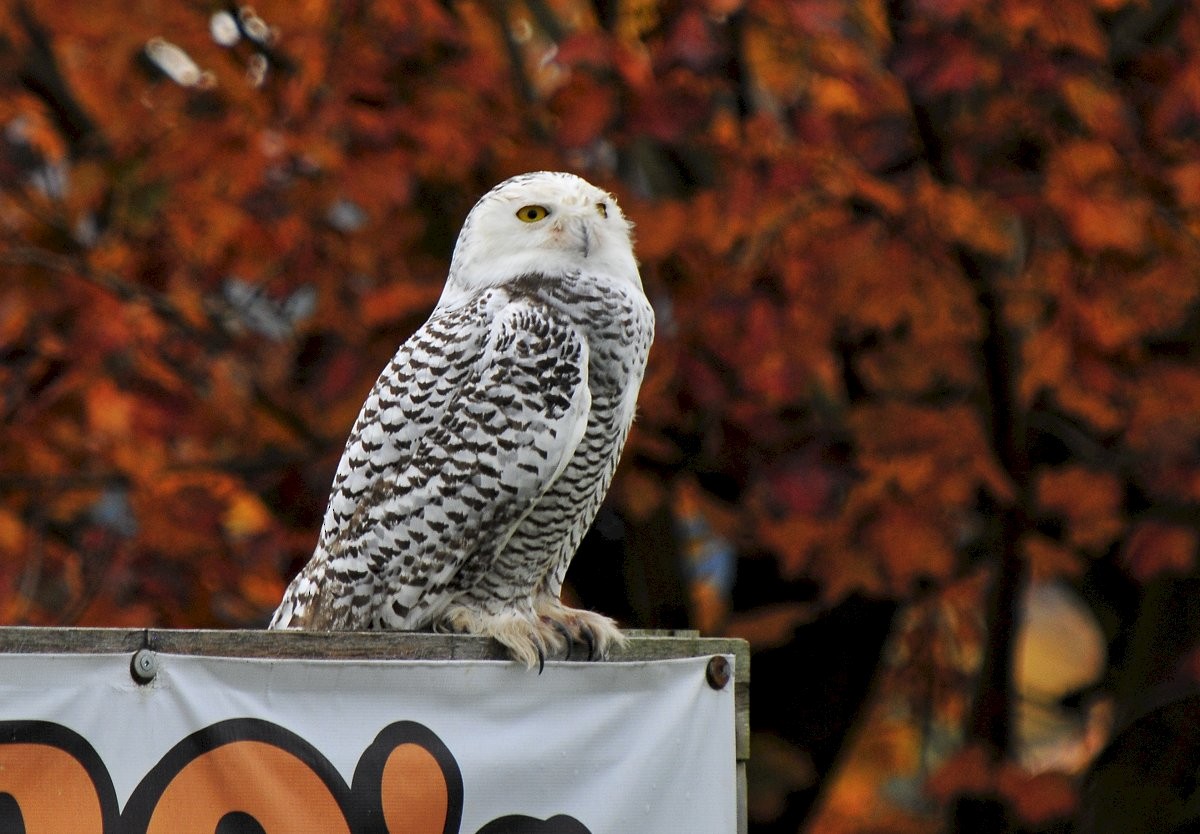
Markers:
<point>585,49</point>
<point>691,43</point>
<point>1156,547</point>
<point>949,64</point>
<point>584,108</point>
<point>1037,799</point>
<point>969,771</point>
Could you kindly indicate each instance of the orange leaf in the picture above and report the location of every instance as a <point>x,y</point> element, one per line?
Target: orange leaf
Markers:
<point>1166,402</point>
<point>770,625</point>
<point>1048,559</point>
<point>1089,501</point>
<point>794,540</point>
<point>1185,179</point>
<point>974,220</point>
<point>1110,223</point>
<point>659,227</point>
<point>398,300</point>
<point>245,515</point>
<point>262,591</point>
<point>110,410</point>
<point>911,547</point>
<point>12,533</point>
<point>1081,163</point>
<point>1101,110</point>
<point>1065,24</point>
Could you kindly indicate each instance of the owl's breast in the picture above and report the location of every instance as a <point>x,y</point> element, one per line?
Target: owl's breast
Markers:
<point>616,321</point>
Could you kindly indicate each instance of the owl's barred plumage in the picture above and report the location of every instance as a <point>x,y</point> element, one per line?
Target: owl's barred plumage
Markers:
<point>483,452</point>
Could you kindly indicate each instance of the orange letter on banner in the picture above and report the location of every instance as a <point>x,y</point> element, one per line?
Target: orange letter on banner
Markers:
<point>53,790</point>
<point>273,786</point>
<point>414,794</point>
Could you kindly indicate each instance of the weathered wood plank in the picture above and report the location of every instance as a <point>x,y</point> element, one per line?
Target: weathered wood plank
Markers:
<point>357,644</point>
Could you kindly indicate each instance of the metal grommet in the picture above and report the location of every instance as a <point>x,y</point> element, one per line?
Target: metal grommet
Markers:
<point>718,672</point>
<point>144,666</point>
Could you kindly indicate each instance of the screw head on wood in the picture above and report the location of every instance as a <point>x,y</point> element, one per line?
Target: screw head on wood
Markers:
<point>144,666</point>
<point>718,672</point>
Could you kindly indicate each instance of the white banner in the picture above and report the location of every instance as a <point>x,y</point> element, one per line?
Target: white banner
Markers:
<point>226,746</point>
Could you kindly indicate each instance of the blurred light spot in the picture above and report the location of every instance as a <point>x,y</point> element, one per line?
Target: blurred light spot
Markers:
<point>255,27</point>
<point>256,69</point>
<point>174,62</point>
<point>52,180</point>
<point>346,216</point>
<point>86,231</point>
<point>113,511</point>
<point>224,29</point>
<point>522,30</point>
<point>17,130</point>
<point>301,304</point>
<point>255,311</point>
<point>272,143</point>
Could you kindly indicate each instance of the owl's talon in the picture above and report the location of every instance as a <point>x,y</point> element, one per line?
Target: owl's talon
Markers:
<point>597,631</point>
<point>541,659</point>
<point>562,629</point>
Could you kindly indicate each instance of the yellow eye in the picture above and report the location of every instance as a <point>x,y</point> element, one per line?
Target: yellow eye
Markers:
<point>532,214</point>
<point>602,209</point>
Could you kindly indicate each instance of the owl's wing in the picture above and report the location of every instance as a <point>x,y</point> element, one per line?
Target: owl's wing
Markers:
<point>475,417</point>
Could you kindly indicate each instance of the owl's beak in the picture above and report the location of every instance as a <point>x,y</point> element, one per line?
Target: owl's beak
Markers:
<point>585,229</point>
<point>580,229</point>
<point>574,231</point>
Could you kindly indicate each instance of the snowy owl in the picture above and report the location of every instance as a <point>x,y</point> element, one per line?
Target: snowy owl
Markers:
<point>485,448</point>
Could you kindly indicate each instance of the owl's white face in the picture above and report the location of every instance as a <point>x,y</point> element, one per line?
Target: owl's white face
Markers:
<point>544,223</point>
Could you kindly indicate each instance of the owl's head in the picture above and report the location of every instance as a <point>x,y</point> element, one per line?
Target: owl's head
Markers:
<point>543,223</point>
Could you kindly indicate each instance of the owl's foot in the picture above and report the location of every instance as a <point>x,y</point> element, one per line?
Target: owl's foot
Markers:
<point>574,626</point>
<point>527,639</point>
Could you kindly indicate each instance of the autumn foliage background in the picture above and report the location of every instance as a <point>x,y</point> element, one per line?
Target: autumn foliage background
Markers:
<point>927,275</point>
